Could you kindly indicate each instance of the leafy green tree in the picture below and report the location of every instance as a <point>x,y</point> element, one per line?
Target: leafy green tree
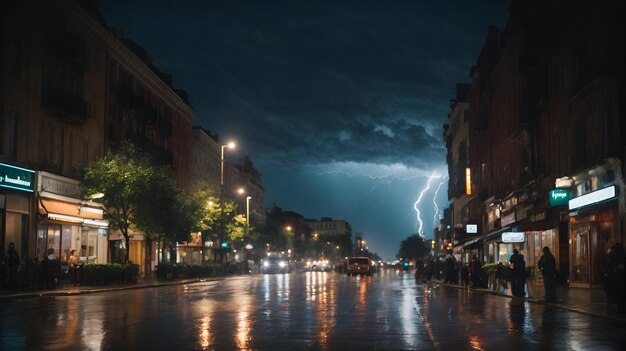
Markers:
<point>166,214</point>
<point>413,247</point>
<point>206,205</point>
<point>138,194</point>
<point>121,176</point>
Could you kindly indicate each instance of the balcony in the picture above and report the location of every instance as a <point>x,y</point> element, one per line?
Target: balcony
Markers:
<point>65,104</point>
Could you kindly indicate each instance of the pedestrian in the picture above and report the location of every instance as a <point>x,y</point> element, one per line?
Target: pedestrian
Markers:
<point>13,266</point>
<point>547,265</point>
<point>74,265</point>
<point>51,267</point>
<point>465,274</point>
<point>518,273</point>
<point>475,271</point>
<point>615,275</point>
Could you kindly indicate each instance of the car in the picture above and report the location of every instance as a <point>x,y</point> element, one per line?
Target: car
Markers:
<point>275,264</point>
<point>359,265</point>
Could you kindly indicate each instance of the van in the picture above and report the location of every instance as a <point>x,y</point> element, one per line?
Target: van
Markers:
<point>359,265</point>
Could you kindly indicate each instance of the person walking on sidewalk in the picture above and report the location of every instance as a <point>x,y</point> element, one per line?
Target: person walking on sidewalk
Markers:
<point>518,274</point>
<point>74,265</point>
<point>547,265</point>
<point>13,266</point>
<point>475,272</point>
<point>616,290</point>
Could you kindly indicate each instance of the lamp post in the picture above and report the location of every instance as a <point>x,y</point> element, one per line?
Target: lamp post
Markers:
<point>230,145</point>
<point>248,198</point>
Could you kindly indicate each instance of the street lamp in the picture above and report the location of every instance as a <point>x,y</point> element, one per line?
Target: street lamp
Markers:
<point>248,198</point>
<point>230,145</point>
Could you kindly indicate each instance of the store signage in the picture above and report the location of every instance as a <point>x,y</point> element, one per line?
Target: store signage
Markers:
<point>17,178</point>
<point>471,228</point>
<point>593,197</point>
<point>559,197</point>
<point>538,217</point>
<point>513,237</point>
<point>57,185</point>
<point>507,219</point>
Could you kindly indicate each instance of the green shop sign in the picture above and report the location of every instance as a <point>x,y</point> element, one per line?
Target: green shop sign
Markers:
<point>559,197</point>
<point>17,178</point>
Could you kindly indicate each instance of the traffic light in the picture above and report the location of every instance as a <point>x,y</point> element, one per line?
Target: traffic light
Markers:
<point>433,245</point>
<point>224,245</point>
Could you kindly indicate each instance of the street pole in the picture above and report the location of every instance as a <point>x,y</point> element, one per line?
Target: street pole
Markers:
<point>230,145</point>
<point>248,198</point>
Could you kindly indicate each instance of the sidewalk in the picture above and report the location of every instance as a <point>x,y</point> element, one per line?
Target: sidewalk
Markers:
<point>581,300</point>
<point>66,289</point>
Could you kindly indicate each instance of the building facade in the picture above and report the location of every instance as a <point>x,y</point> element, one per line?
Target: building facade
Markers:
<point>545,155</point>
<point>71,88</point>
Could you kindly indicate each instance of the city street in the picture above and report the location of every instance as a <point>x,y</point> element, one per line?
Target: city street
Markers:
<point>300,311</point>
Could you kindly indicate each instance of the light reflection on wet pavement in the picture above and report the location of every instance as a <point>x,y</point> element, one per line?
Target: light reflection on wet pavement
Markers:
<point>299,311</point>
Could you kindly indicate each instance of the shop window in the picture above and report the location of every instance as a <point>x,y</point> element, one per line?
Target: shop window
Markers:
<point>17,232</point>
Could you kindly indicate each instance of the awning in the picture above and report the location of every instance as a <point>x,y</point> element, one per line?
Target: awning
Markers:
<point>69,209</point>
<point>77,220</point>
<point>496,235</point>
<point>473,241</point>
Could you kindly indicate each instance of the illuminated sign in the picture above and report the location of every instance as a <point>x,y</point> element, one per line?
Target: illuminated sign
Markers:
<point>559,197</point>
<point>513,237</point>
<point>17,178</point>
<point>593,197</point>
<point>471,228</point>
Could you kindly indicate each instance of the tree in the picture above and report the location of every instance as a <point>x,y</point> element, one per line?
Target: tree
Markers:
<point>166,214</point>
<point>205,206</point>
<point>137,194</point>
<point>413,247</point>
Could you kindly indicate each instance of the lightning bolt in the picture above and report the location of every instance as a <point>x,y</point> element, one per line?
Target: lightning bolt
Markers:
<point>420,231</point>
<point>436,217</point>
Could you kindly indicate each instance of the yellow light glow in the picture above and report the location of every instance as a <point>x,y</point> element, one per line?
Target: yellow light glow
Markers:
<point>231,145</point>
<point>468,181</point>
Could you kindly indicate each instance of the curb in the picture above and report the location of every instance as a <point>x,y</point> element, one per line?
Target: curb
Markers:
<point>535,300</point>
<point>70,292</point>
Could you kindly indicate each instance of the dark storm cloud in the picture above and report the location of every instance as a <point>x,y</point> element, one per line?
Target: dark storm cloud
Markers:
<point>315,82</point>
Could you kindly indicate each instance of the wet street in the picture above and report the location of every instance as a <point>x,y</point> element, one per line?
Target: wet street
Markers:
<point>300,311</point>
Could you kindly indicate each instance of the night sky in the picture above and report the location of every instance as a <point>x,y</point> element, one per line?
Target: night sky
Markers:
<point>340,105</point>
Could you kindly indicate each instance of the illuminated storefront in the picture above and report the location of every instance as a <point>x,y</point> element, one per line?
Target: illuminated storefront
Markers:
<point>17,185</point>
<point>593,222</point>
<point>67,223</point>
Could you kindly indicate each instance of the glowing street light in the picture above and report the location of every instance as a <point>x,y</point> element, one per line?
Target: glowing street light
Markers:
<point>230,145</point>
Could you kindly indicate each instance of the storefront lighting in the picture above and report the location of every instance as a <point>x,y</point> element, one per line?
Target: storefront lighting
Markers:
<point>64,218</point>
<point>468,181</point>
<point>592,198</point>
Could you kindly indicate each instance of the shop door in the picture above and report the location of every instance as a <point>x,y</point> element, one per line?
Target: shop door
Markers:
<point>580,256</point>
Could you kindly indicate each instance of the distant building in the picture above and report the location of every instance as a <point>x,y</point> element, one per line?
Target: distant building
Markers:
<point>338,232</point>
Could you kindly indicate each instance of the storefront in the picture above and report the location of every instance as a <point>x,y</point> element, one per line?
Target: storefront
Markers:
<point>594,226</point>
<point>190,252</point>
<point>66,223</point>
<point>17,186</point>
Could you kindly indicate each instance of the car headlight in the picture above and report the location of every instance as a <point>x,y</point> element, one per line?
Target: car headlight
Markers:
<point>266,264</point>
<point>282,264</point>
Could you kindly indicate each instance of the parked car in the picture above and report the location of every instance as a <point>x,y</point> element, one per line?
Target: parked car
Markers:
<point>275,264</point>
<point>359,265</point>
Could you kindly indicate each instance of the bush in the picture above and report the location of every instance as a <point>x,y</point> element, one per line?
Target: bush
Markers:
<point>105,274</point>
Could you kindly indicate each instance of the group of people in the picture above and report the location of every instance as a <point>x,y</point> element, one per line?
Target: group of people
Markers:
<point>44,274</point>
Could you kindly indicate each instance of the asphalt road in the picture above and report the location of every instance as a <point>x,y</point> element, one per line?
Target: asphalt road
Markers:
<point>300,311</point>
